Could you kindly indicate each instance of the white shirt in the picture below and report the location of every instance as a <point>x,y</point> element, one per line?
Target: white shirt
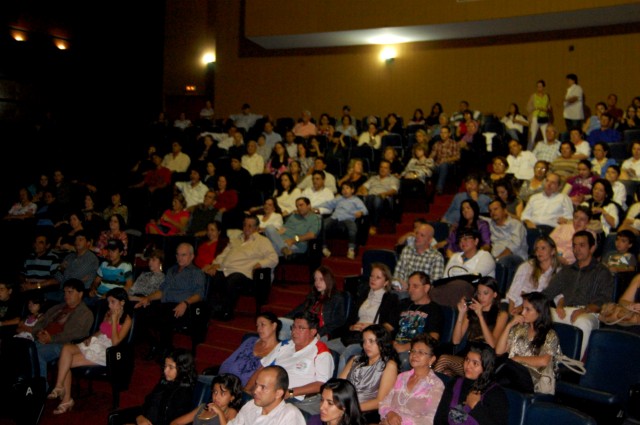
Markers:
<point>573,111</point>
<point>546,210</point>
<point>283,413</point>
<point>329,182</point>
<point>522,282</point>
<point>620,194</point>
<point>521,166</point>
<point>287,201</point>
<point>179,163</point>
<point>318,197</point>
<point>254,164</point>
<point>192,195</point>
<point>482,263</point>
<point>634,165</point>
<point>313,363</point>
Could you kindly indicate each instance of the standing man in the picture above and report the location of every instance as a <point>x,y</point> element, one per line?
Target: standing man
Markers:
<point>573,103</point>
<point>183,285</point>
<point>299,228</point>
<point>419,256</point>
<point>233,268</point>
<point>418,314</point>
<point>579,290</point>
<point>268,406</point>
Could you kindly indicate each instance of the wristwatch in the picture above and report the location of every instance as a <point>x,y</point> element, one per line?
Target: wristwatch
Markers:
<point>291,392</point>
<point>297,238</point>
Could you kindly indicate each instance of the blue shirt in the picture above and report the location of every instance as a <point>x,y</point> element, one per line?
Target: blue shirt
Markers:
<point>452,216</point>
<point>607,136</point>
<point>345,208</point>
<point>180,285</point>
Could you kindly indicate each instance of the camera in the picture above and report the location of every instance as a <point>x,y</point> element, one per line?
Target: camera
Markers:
<point>468,302</point>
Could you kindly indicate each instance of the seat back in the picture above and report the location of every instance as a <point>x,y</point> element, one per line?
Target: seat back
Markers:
<point>619,151</point>
<point>552,413</point>
<point>612,362</point>
<point>440,230</point>
<point>518,405</point>
<point>386,256</point>
<point>346,295</point>
<point>449,315</point>
<point>570,339</point>
<point>631,135</point>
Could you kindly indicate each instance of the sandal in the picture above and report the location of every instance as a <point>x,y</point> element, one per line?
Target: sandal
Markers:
<point>64,407</point>
<point>57,392</point>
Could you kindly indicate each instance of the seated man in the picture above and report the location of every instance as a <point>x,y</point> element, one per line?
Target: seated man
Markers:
<point>544,209</point>
<point>183,286</point>
<point>471,185</point>
<point>606,132</point>
<point>299,228</point>
<point>40,266</point>
<point>194,189</point>
<point>345,210</point>
<point>579,290</point>
<point>445,153</point>
<point>113,272</point>
<point>418,314</point>
<point>548,149</point>
<point>319,164</point>
<point>202,214</point>
<point>268,406</point>
<point>304,127</point>
<point>82,264</point>
<point>318,192</point>
<point>377,192</point>
<point>61,324</point>
<point>306,359</point>
<point>233,268</point>
<point>508,238</point>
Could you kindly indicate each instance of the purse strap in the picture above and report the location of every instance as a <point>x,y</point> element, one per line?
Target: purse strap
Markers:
<point>572,364</point>
<point>628,313</point>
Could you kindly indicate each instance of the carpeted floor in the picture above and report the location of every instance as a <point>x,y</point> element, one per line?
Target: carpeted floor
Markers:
<point>223,338</point>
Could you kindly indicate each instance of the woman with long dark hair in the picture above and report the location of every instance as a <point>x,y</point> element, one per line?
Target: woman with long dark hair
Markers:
<point>602,206</point>
<point>532,346</point>
<point>469,219</point>
<point>325,300</point>
<point>373,372</point>
<point>339,404</point>
<point>476,397</point>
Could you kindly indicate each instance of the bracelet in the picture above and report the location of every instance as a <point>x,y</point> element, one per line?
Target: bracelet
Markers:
<point>186,302</point>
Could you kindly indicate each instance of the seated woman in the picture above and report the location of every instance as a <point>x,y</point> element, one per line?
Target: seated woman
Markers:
<point>171,398</point>
<point>503,189</point>
<point>324,126</point>
<point>209,247</point>
<point>305,160</point>
<point>374,372</point>
<point>630,120</point>
<point>562,235</point>
<point>226,401</point>
<point>338,404</point>
<point>601,160</point>
<point>149,281</point>
<point>514,122</point>
<point>346,127</point>
<point>391,154</point>
<point>245,360</point>
<point>479,319</point>
<point>173,221</point>
<point>416,393</point>
<point>631,299</point>
<point>534,275</point>
<point>392,124</point>
<point>420,167</point>
<point>355,174</point>
<point>578,187</point>
<point>287,193</point>
<point>271,215</point>
<point>475,398</point>
<point>602,206</point>
<point>434,116</point>
<point>117,228</point>
<point>532,347</point>
<point>566,165</point>
<point>376,304</point>
<point>469,220</point>
<point>499,167</point>
<point>116,207</point>
<point>295,169</point>
<point>325,300</point>
<point>536,184</point>
<point>632,217</point>
<point>93,350</point>
<point>279,161</point>
<point>226,199</point>
<point>66,231</point>
<point>417,118</point>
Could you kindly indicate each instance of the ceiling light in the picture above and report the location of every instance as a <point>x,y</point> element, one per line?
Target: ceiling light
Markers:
<point>387,39</point>
<point>208,58</point>
<point>388,54</point>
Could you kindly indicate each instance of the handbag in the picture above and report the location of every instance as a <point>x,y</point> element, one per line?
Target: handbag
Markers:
<point>618,314</point>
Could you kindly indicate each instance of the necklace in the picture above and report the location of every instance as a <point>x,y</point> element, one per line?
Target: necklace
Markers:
<point>405,395</point>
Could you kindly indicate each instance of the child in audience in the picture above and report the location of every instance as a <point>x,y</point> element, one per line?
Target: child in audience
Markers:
<point>619,189</point>
<point>34,306</point>
<point>621,260</point>
<point>226,400</point>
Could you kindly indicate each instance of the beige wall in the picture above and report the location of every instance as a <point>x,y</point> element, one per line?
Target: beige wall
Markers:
<point>488,76</point>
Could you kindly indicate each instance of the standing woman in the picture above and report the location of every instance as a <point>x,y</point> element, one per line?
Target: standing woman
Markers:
<point>532,346</point>
<point>93,350</point>
<point>374,372</point>
<point>534,275</point>
<point>416,393</point>
<point>475,398</point>
<point>539,108</point>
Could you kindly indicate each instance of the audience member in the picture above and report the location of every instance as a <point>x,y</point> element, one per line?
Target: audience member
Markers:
<point>194,189</point>
<point>10,311</point>
<point>245,119</point>
<point>113,272</point>
<point>521,162</point>
<point>319,164</point>
<point>318,193</point>
<point>471,185</point>
<point>602,206</point>
<point>562,235</point>
<point>471,259</point>
<point>579,187</point>
<point>503,190</point>
<point>176,160</point>
<point>116,231</point>
<point>469,220</point>
<point>508,238</point>
<point>202,214</point>
<point>300,227</point>
<point>287,193</point>
<point>149,281</point>
<point>279,161</point>
<point>539,108</point>
<point>544,209</point>
<point>606,133</point>
<point>173,221</point>
<point>621,259</point>
<point>566,165</point>
<point>573,103</point>
<point>601,161</point>
<point>378,192</point>
<point>81,264</point>
<point>548,149</point>
<point>583,149</point>
<point>338,404</point>
<point>226,401</point>
<point>304,127</point>
<point>536,183</point>
<point>40,266</point>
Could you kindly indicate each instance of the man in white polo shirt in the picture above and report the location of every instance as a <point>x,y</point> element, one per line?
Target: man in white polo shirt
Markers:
<point>306,359</point>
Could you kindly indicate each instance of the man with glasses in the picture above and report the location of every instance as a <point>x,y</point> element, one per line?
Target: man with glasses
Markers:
<point>268,406</point>
<point>306,359</point>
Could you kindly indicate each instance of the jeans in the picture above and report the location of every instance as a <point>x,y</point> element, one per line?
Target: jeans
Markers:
<point>349,225</point>
<point>46,353</point>
<point>443,170</point>
<point>278,241</point>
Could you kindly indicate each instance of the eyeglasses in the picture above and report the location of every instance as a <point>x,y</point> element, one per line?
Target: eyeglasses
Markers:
<point>420,353</point>
<point>540,168</point>
<point>298,328</point>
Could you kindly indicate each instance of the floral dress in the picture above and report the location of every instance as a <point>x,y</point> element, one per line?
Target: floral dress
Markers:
<point>418,406</point>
